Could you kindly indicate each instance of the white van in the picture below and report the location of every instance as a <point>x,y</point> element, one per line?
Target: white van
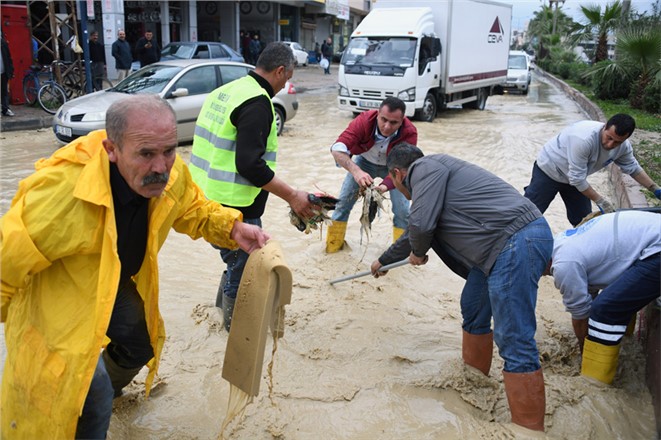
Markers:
<point>518,72</point>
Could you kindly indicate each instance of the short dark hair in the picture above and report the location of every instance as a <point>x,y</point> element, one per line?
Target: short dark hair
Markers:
<point>624,124</point>
<point>393,104</point>
<point>274,55</point>
<point>402,156</point>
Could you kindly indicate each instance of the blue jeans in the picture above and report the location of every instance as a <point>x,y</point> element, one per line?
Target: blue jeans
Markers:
<point>95,419</point>
<point>349,195</point>
<point>614,307</point>
<point>236,262</point>
<point>542,190</point>
<point>509,294</point>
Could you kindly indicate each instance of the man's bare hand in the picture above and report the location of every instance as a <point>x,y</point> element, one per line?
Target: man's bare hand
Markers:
<point>580,330</point>
<point>418,261</point>
<point>375,269</point>
<point>249,237</point>
<point>302,205</point>
<point>363,179</point>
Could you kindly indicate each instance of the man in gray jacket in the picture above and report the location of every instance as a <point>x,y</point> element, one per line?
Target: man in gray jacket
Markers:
<point>619,253</point>
<point>497,240</point>
<point>583,148</point>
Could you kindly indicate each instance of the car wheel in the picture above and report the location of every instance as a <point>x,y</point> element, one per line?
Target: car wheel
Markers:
<point>279,119</point>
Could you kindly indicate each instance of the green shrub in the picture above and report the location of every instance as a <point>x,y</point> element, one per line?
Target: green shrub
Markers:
<point>652,98</point>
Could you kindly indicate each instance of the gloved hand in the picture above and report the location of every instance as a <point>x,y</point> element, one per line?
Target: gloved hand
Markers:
<point>605,206</point>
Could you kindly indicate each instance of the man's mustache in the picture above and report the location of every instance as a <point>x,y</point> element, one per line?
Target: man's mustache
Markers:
<point>155,178</point>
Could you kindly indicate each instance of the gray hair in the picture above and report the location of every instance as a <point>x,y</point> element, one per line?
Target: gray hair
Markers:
<point>275,55</point>
<point>402,156</point>
<point>120,114</point>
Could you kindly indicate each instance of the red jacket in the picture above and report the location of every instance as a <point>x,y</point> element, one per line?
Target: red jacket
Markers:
<point>359,136</point>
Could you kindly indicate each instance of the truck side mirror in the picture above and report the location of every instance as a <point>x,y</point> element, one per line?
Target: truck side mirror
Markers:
<point>436,47</point>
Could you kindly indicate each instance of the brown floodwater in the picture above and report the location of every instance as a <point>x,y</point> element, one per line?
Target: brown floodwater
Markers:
<point>367,358</point>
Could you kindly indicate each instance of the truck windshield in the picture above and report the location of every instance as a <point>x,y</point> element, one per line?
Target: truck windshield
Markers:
<point>380,51</point>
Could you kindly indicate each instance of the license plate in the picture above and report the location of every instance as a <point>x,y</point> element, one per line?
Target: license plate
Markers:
<point>64,131</point>
<point>369,104</point>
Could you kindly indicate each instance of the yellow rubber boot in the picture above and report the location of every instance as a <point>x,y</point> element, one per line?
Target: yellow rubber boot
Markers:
<point>396,233</point>
<point>335,236</point>
<point>599,361</point>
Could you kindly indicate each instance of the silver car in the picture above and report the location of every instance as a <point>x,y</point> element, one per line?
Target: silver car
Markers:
<point>185,84</point>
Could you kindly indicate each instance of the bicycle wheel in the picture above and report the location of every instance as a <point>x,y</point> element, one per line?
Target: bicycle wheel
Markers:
<point>51,97</point>
<point>30,88</point>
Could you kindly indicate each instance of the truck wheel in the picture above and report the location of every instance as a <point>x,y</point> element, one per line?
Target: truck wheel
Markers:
<point>480,102</point>
<point>428,111</point>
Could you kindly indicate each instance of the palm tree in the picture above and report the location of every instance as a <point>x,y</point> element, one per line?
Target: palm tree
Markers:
<point>638,59</point>
<point>600,25</point>
<point>540,29</point>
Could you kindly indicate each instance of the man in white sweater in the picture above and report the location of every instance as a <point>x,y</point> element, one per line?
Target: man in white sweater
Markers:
<point>619,253</point>
<point>583,148</point>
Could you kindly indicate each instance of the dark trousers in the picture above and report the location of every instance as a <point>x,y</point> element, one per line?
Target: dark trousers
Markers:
<point>542,190</point>
<point>129,348</point>
<point>98,69</point>
<point>4,92</point>
<point>614,307</point>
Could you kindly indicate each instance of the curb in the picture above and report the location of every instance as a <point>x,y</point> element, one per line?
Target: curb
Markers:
<point>32,123</point>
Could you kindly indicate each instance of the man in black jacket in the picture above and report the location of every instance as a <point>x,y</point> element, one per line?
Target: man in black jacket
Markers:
<point>497,240</point>
<point>147,49</point>
<point>121,51</point>
<point>7,70</point>
<point>98,60</point>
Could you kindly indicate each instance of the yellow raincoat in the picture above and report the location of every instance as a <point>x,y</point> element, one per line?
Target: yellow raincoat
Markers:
<point>60,273</point>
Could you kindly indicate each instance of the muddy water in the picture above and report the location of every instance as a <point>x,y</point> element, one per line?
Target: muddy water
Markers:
<point>370,358</point>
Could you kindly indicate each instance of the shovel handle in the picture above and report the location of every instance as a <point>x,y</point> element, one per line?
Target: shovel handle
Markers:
<point>369,272</point>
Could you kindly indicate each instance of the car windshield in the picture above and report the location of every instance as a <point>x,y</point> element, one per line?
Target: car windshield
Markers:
<point>517,62</point>
<point>183,51</point>
<point>375,51</point>
<point>151,79</point>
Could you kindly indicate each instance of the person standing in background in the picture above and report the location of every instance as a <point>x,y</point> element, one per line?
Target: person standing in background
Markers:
<point>7,71</point>
<point>98,60</point>
<point>121,51</point>
<point>147,49</point>
<point>327,53</point>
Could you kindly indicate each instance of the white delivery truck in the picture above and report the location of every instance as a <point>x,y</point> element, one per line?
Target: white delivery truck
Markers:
<point>429,54</point>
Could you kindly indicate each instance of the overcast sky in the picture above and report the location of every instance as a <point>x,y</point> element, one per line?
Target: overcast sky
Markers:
<point>523,10</point>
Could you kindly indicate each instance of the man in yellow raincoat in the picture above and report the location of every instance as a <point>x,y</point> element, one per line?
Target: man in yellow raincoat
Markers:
<point>79,269</point>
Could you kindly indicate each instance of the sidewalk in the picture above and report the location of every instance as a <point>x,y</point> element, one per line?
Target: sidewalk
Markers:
<point>27,117</point>
<point>33,117</point>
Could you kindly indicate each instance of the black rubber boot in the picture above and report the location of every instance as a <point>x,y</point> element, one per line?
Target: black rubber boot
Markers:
<point>119,376</point>
<point>228,310</point>
<point>221,287</point>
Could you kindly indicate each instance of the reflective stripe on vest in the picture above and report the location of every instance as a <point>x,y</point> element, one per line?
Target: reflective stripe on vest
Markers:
<point>213,157</point>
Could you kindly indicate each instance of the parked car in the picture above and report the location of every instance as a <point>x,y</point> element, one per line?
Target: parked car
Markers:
<point>186,50</point>
<point>518,72</point>
<point>300,54</point>
<point>185,84</point>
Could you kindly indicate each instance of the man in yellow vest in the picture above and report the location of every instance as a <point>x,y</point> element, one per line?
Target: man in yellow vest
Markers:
<point>234,155</point>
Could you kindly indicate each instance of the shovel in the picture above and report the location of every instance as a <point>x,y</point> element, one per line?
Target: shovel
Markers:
<point>369,272</point>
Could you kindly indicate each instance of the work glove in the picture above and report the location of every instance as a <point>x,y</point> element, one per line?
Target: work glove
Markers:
<point>605,206</point>
<point>325,201</point>
<point>656,189</point>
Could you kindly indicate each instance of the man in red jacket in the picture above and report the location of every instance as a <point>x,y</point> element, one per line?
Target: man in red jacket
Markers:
<point>369,138</point>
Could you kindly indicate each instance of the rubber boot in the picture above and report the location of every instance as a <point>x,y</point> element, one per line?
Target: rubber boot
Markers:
<point>477,351</point>
<point>526,398</point>
<point>396,233</point>
<point>335,236</point>
<point>228,311</point>
<point>221,289</point>
<point>119,376</point>
<point>599,361</point>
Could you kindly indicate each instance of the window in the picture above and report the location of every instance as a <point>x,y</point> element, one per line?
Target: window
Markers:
<point>217,51</point>
<point>198,81</point>
<point>230,73</point>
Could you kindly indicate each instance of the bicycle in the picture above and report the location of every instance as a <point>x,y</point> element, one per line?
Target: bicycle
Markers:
<point>32,82</point>
<point>74,81</point>
<point>51,95</point>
